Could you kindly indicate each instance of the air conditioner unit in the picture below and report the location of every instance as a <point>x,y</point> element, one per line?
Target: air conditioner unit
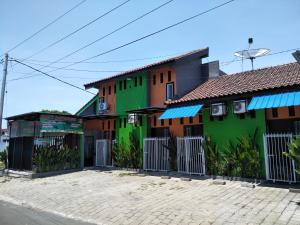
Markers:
<point>132,118</point>
<point>218,109</point>
<point>102,106</point>
<point>239,106</point>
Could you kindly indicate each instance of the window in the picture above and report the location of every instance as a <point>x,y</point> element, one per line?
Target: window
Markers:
<point>170,122</point>
<point>154,121</point>
<point>125,121</point>
<point>191,119</point>
<point>109,90</point>
<point>108,124</point>
<point>115,88</point>
<point>103,125</point>
<point>252,114</point>
<point>274,112</point>
<point>161,78</point>
<point>181,121</point>
<point>141,81</point>
<point>200,118</point>
<point>169,75</point>
<point>291,111</point>
<point>211,118</point>
<point>114,124</point>
<point>103,91</point>
<point>154,79</point>
<point>120,85</point>
<point>141,120</point>
<point>125,84</point>
<point>135,81</point>
<point>162,122</point>
<point>169,91</point>
<point>242,116</point>
<point>120,123</point>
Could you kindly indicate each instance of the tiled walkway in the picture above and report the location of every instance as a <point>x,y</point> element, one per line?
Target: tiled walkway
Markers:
<point>118,198</point>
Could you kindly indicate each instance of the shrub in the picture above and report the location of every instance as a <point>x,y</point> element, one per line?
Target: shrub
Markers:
<point>3,158</point>
<point>294,152</point>
<point>213,157</point>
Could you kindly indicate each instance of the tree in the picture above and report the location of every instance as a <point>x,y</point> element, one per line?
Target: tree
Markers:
<point>55,112</point>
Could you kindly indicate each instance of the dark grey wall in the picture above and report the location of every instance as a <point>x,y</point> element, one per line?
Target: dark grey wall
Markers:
<point>91,110</point>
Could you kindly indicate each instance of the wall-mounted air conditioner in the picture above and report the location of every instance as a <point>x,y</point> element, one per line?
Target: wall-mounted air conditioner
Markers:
<point>132,118</point>
<point>218,109</point>
<point>239,106</point>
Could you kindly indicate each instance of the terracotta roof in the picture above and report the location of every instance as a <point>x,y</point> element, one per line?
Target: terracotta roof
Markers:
<point>203,51</point>
<point>245,82</point>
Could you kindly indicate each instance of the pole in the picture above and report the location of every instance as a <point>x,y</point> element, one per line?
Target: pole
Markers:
<point>3,89</point>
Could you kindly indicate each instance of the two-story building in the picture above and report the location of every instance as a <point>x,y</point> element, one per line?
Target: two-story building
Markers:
<point>131,101</point>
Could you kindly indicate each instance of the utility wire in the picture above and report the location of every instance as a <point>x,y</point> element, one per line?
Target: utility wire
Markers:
<point>79,29</point>
<point>46,26</point>
<point>106,35</point>
<point>48,75</point>
<point>144,37</point>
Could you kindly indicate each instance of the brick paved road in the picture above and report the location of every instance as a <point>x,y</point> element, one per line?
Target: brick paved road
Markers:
<point>106,198</point>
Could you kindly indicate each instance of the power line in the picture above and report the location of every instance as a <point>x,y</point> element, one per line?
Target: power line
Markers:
<point>79,29</point>
<point>48,75</point>
<point>144,37</point>
<point>46,26</point>
<point>108,34</point>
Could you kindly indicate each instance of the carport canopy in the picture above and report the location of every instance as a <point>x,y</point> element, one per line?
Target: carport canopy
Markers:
<point>179,112</point>
<point>275,101</point>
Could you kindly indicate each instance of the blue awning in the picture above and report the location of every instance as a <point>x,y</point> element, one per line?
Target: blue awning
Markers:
<point>183,111</point>
<point>274,101</point>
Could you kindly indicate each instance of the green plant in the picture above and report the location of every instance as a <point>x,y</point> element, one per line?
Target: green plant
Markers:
<point>3,158</point>
<point>294,152</point>
<point>242,159</point>
<point>51,158</point>
<point>135,151</point>
<point>213,157</point>
<point>121,154</point>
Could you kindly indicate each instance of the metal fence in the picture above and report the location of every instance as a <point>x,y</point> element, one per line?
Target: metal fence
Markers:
<point>156,154</point>
<point>278,166</point>
<point>190,155</point>
<point>102,152</point>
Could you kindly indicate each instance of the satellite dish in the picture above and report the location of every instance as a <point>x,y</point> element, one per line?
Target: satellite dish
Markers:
<point>252,53</point>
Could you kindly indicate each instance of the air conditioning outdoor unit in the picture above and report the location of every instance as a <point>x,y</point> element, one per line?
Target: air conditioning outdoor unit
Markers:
<point>132,118</point>
<point>102,106</point>
<point>239,106</point>
<point>218,109</point>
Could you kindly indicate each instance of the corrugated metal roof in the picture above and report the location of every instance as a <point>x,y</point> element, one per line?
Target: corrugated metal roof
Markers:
<point>179,112</point>
<point>139,69</point>
<point>274,101</point>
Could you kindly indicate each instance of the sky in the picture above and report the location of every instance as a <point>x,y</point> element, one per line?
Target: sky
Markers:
<point>273,24</point>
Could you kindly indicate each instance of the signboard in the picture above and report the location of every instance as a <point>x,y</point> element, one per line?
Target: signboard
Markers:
<point>60,124</point>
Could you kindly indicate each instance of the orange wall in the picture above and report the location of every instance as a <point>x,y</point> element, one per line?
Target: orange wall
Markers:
<point>92,124</point>
<point>109,98</point>
<point>283,113</point>
<point>158,91</point>
<point>176,128</point>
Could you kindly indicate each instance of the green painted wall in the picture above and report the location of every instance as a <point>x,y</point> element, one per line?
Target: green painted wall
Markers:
<point>233,127</point>
<point>133,97</point>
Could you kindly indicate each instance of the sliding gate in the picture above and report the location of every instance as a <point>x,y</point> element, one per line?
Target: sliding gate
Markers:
<point>278,166</point>
<point>156,154</point>
<point>102,152</point>
<point>190,155</point>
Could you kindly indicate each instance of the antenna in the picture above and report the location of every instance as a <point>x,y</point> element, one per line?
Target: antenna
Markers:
<point>251,53</point>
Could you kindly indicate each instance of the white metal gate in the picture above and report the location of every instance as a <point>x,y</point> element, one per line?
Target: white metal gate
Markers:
<point>102,152</point>
<point>190,155</point>
<point>278,166</point>
<point>155,154</point>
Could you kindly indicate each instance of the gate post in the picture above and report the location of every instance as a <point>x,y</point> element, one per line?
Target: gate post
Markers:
<point>187,148</point>
<point>266,157</point>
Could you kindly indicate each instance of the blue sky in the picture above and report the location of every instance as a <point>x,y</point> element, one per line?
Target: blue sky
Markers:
<point>274,24</point>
